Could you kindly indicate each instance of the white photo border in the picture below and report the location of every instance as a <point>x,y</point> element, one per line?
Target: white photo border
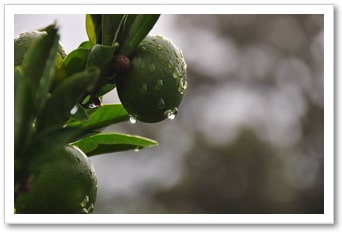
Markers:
<point>326,218</point>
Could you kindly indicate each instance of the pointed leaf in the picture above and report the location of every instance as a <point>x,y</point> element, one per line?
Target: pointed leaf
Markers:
<point>136,32</point>
<point>103,116</point>
<point>110,24</point>
<point>57,108</point>
<point>90,28</point>
<point>76,60</point>
<point>96,18</point>
<point>23,114</point>
<point>112,142</point>
<point>39,62</point>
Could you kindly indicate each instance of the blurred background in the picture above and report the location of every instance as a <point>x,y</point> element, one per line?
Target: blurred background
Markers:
<point>249,134</point>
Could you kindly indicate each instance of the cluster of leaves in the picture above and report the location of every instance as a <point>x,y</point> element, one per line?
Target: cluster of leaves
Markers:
<point>57,98</point>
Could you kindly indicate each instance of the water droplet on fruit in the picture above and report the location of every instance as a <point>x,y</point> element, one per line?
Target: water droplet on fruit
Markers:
<point>132,119</point>
<point>171,114</point>
<point>183,85</point>
<point>159,47</point>
<point>175,74</point>
<point>143,89</point>
<point>159,85</point>
<point>161,103</point>
<point>152,67</point>
<point>85,201</point>
<point>91,207</point>
<point>74,110</point>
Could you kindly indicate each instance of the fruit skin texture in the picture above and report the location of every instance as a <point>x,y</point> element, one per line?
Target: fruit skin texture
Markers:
<point>22,43</point>
<point>24,40</point>
<point>155,83</point>
<point>64,182</point>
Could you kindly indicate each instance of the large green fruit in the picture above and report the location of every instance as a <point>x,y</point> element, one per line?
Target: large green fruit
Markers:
<point>62,182</point>
<point>153,87</point>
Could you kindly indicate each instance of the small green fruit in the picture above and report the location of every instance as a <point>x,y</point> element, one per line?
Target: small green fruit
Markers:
<point>22,43</point>
<point>24,40</point>
<point>64,182</point>
<point>153,87</point>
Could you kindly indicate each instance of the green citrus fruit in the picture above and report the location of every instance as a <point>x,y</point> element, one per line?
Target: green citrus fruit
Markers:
<point>153,87</point>
<point>22,43</point>
<point>65,182</point>
<point>24,40</point>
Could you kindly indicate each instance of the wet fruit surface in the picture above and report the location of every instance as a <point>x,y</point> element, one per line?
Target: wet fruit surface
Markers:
<point>24,40</point>
<point>152,89</point>
<point>63,183</point>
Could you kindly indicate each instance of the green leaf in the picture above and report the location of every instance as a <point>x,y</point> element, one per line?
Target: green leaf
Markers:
<point>76,60</point>
<point>86,44</point>
<point>101,56</point>
<point>135,31</point>
<point>39,63</point>
<point>112,142</point>
<point>80,114</point>
<point>110,24</point>
<point>105,89</point>
<point>23,114</point>
<point>96,21</point>
<point>57,108</point>
<point>61,136</point>
<point>103,116</point>
<point>90,28</point>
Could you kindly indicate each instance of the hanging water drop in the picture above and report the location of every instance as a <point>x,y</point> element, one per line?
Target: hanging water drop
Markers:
<point>94,103</point>
<point>92,106</point>
<point>136,149</point>
<point>132,119</point>
<point>171,114</point>
<point>74,110</point>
